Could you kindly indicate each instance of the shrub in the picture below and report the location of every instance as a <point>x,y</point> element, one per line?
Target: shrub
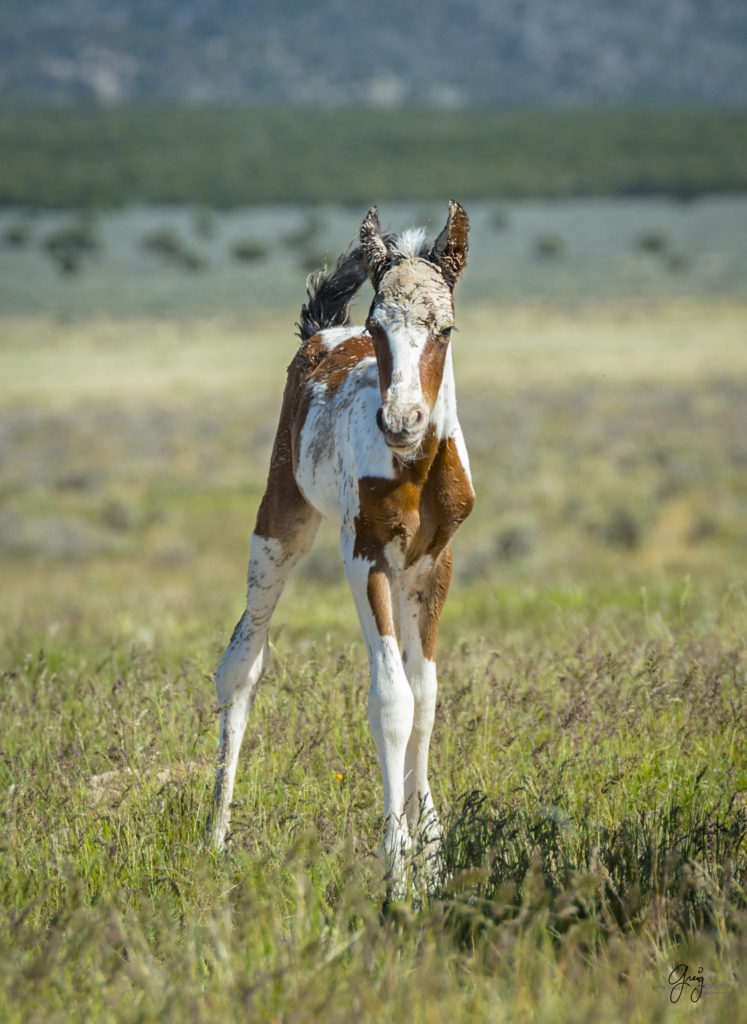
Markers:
<point>166,242</point>
<point>249,251</point>
<point>305,235</point>
<point>622,529</point>
<point>653,241</point>
<point>68,244</point>
<point>311,260</point>
<point>17,233</point>
<point>513,542</point>
<point>204,223</point>
<point>548,246</point>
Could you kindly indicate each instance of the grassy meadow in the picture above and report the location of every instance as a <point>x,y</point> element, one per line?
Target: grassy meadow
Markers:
<point>588,757</point>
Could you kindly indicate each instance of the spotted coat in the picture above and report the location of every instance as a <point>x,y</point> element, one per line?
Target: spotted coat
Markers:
<point>368,436</point>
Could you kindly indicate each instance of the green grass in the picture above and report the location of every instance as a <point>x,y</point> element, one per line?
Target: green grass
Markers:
<point>233,157</point>
<point>602,840</point>
<point>588,756</point>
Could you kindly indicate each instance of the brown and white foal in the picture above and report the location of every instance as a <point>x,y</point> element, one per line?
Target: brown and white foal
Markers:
<point>369,436</point>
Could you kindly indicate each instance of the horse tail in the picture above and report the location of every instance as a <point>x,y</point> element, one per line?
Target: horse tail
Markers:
<point>329,295</point>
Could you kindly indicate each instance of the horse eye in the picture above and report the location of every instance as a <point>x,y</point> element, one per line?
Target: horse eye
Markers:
<point>445,334</point>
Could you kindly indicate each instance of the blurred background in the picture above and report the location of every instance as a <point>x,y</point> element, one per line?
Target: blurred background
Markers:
<point>171,172</point>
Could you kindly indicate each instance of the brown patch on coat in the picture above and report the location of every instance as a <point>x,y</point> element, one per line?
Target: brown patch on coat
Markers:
<point>383,356</point>
<point>334,368</point>
<point>432,596</point>
<point>284,513</point>
<point>379,596</point>
<point>446,500</point>
<point>432,368</point>
<point>422,505</point>
<point>389,506</point>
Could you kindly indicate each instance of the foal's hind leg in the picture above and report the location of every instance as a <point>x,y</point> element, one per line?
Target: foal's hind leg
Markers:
<point>422,597</point>
<point>285,528</point>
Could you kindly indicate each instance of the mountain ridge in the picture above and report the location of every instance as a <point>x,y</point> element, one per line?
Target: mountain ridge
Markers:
<point>449,54</point>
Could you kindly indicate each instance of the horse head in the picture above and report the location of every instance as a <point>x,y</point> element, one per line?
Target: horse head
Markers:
<point>410,321</point>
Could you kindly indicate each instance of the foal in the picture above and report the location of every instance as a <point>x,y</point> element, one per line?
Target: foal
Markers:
<point>368,435</point>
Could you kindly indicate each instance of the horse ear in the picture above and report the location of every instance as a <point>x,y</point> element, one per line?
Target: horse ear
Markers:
<point>375,253</point>
<point>449,251</point>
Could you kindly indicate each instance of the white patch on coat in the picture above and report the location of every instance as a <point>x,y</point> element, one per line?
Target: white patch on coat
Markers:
<point>331,337</point>
<point>340,443</point>
<point>406,344</point>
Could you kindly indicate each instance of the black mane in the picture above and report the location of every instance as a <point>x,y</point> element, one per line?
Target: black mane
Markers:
<point>330,295</point>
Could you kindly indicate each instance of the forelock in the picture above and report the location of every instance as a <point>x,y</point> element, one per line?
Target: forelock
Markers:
<point>412,242</point>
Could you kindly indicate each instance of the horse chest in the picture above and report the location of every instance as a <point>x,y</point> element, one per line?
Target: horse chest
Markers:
<point>415,514</point>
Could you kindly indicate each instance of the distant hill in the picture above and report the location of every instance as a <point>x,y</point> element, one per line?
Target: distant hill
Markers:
<point>444,53</point>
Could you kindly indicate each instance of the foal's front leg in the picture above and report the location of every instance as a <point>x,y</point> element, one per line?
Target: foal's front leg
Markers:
<point>422,595</point>
<point>390,702</point>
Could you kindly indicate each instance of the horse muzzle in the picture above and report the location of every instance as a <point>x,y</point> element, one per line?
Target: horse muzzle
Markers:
<point>403,428</point>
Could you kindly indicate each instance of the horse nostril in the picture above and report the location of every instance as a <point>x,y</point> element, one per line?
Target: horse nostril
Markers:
<point>414,417</point>
<point>400,425</point>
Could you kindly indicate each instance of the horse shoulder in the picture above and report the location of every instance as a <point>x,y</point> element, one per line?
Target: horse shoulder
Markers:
<point>328,403</point>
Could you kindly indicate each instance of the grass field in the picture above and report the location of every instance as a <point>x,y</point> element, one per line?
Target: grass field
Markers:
<point>589,751</point>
